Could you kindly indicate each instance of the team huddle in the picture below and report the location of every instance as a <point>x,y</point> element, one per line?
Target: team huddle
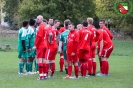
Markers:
<point>39,41</point>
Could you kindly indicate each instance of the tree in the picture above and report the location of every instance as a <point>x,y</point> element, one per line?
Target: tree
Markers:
<point>11,9</point>
<point>75,10</point>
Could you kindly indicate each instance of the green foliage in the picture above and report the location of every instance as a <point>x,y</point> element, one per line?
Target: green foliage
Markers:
<point>75,10</point>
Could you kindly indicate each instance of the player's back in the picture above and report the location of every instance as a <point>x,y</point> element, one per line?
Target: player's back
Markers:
<point>85,37</point>
<point>109,33</point>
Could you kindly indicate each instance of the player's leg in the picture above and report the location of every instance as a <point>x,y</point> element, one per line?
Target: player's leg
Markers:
<point>61,62</point>
<point>65,60</point>
<point>39,53</point>
<point>76,69</point>
<point>93,62</point>
<point>69,61</point>
<point>52,58</point>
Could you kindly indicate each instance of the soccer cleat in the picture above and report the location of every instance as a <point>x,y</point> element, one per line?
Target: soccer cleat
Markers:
<point>88,75</point>
<point>50,76</point>
<point>20,73</point>
<point>100,74</point>
<point>106,74</point>
<point>74,77</point>
<point>40,78</point>
<point>84,77</point>
<point>31,73</point>
<point>61,70</point>
<point>68,77</point>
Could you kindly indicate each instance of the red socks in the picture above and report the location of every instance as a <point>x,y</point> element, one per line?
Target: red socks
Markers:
<point>84,69</point>
<point>61,61</point>
<point>107,68</point>
<point>52,68</point>
<point>90,67</point>
<point>69,70</point>
<point>76,70</point>
<point>104,66</point>
<point>40,69</point>
<point>94,67</point>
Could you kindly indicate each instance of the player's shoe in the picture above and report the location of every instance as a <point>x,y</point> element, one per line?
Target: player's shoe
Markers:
<point>68,77</point>
<point>40,78</point>
<point>31,73</point>
<point>100,74</point>
<point>61,70</point>
<point>88,75</point>
<point>74,77</point>
<point>84,77</point>
<point>50,76</point>
<point>20,73</point>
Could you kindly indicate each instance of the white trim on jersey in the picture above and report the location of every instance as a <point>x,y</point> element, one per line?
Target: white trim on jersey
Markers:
<point>24,32</point>
<point>48,54</point>
<point>107,50</point>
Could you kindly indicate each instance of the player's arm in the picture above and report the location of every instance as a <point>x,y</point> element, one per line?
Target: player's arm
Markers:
<point>23,45</point>
<point>76,41</point>
<point>60,43</point>
<point>101,44</point>
<point>110,35</point>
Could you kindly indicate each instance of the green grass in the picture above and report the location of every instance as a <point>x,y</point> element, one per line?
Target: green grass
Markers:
<point>121,71</point>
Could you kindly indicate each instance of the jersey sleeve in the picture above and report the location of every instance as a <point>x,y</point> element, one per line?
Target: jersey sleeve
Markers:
<point>76,37</point>
<point>110,35</point>
<point>61,37</point>
<point>23,36</point>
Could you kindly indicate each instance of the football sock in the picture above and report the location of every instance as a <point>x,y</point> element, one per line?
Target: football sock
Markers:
<point>21,66</point>
<point>107,68</point>
<point>76,70</point>
<point>52,68</point>
<point>40,68</point>
<point>69,70</point>
<point>90,67</point>
<point>94,68</point>
<point>84,68</point>
<point>104,66</point>
<point>61,64</point>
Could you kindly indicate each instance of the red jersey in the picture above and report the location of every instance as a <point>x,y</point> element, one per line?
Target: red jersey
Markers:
<point>73,38</point>
<point>62,29</point>
<point>109,33</point>
<point>107,42</point>
<point>85,38</point>
<point>40,41</point>
<point>51,31</point>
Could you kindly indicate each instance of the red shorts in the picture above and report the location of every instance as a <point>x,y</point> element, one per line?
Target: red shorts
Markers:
<point>73,59</point>
<point>107,51</point>
<point>51,54</point>
<point>84,54</point>
<point>41,53</point>
<point>93,53</point>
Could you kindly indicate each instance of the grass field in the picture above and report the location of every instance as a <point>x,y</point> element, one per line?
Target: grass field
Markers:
<point>121,70</point>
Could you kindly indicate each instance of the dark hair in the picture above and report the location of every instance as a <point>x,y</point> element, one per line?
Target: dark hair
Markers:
<point>44,20</point>
<point>50,18</point>
<point>32,22</point>
<point>85,23</point>
<point>25,23</point>
<point>56,21</point>
<point>66,22</point>
<point>102,20</point>
<point>71,23</point>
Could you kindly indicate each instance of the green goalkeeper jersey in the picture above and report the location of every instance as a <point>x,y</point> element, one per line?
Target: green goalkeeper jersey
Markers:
<point>63,38</point>
<point>22,35</point>
<point>31,36</point>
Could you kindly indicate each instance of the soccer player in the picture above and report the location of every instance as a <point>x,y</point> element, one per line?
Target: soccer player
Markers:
<point>22,46</point>
<point>52,45</point>
<point>79,27</point>
<point>72,45</point>
<point>41,46</point>
<point>62,29</point>
<point>105,48</point>
<point>111,37</point>
<point>63,44</point>
<point>31,53</point>
<point>92,59</point>
<point>85,37</point>
<point>50,21</point>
